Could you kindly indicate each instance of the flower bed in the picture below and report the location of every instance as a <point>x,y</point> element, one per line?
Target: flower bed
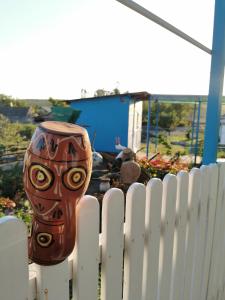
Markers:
<point>159,166</point>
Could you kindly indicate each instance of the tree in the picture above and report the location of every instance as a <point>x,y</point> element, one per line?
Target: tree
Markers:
<point>102,92</point>
<point>4,123</point>
<point>115,91</point>
<point>170,115</point>
<point>10,132</point>
<point>6,100</point>
<point>9,101</point>
<point>56,102</point>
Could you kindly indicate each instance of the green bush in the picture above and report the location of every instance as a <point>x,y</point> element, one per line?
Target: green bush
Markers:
<point>26,131</point>
<point>13,200</point>
<point>221,154</point>
<point>163,141</point>
<point>11,182</point>
<point>20,210</point>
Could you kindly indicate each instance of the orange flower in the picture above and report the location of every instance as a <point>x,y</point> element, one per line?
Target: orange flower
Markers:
<point>7,203</point>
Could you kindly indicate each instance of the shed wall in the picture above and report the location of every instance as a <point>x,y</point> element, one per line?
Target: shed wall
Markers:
<point>108,118</point>
<point>135,125</point>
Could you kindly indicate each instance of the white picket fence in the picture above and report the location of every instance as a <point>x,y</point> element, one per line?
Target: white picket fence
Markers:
<point>165,242</point>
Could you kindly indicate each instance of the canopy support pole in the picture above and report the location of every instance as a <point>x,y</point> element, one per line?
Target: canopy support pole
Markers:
<point>149,15</point>
<point>215,86</point>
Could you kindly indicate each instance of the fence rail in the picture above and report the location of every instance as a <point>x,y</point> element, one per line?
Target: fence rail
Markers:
<point>165,241</point>
<point>11,154</point>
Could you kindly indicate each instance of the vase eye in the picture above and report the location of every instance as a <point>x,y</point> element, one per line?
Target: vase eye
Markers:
<point>40,177</point>
<point>44,239</point>
<point>74,178</point>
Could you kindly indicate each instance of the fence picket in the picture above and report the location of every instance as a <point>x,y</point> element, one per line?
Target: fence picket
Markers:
<point>221,263</point>
<point>13,259</point>
<point>216,255</point>
<point>32,283</point>
<point>152,237</point>
<point>167,238</point>
<point>86,251</point>
<point>134,242</point>
<point>222,270</point>
<point>180,235</point>
<point>213,181</point>
<point>112,245</point>
<point>200,243</point>
<point>52,281</point>
<point>193,199</point>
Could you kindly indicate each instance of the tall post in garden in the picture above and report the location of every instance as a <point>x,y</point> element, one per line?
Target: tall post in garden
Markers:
<point>197,130</point>
<point>157,125</point>
<point>148,126</point>
<point>215,85</point>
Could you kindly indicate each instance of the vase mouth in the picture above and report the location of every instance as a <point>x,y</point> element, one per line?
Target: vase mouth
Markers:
<point>62,128</point>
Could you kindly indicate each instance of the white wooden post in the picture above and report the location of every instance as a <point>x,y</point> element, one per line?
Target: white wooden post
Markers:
<point>180,235</point>
<point>166,246</point>
<point>134,242</point>
<point>112,245</point>
<point>14,278</point>
<point>86,251</point>
<point>152,238</point>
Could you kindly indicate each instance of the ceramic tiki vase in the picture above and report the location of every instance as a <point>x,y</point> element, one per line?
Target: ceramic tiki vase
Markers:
<point>57,169</point>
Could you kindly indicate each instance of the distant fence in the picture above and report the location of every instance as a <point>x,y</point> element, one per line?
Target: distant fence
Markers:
<point>166,243</point>
<point>11,155</point>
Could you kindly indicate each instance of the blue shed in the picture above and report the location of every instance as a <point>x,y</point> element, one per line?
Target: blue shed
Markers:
<point>108,117</point>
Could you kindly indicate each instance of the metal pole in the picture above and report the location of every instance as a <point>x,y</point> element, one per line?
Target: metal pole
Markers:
<point>148,127</point>
<point>197,130</point>
<point>215,85</point>
<point>149,15</point>
<point>193,128</point>
<point>156,124</point>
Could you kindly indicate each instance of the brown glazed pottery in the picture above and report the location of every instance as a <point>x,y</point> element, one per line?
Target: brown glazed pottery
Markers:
<point>57,170</point>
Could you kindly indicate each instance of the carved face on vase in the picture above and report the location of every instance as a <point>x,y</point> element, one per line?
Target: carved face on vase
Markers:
<point>57,169</point>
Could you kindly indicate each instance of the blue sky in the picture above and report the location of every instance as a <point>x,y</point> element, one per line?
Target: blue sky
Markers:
<point>55,48</point>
